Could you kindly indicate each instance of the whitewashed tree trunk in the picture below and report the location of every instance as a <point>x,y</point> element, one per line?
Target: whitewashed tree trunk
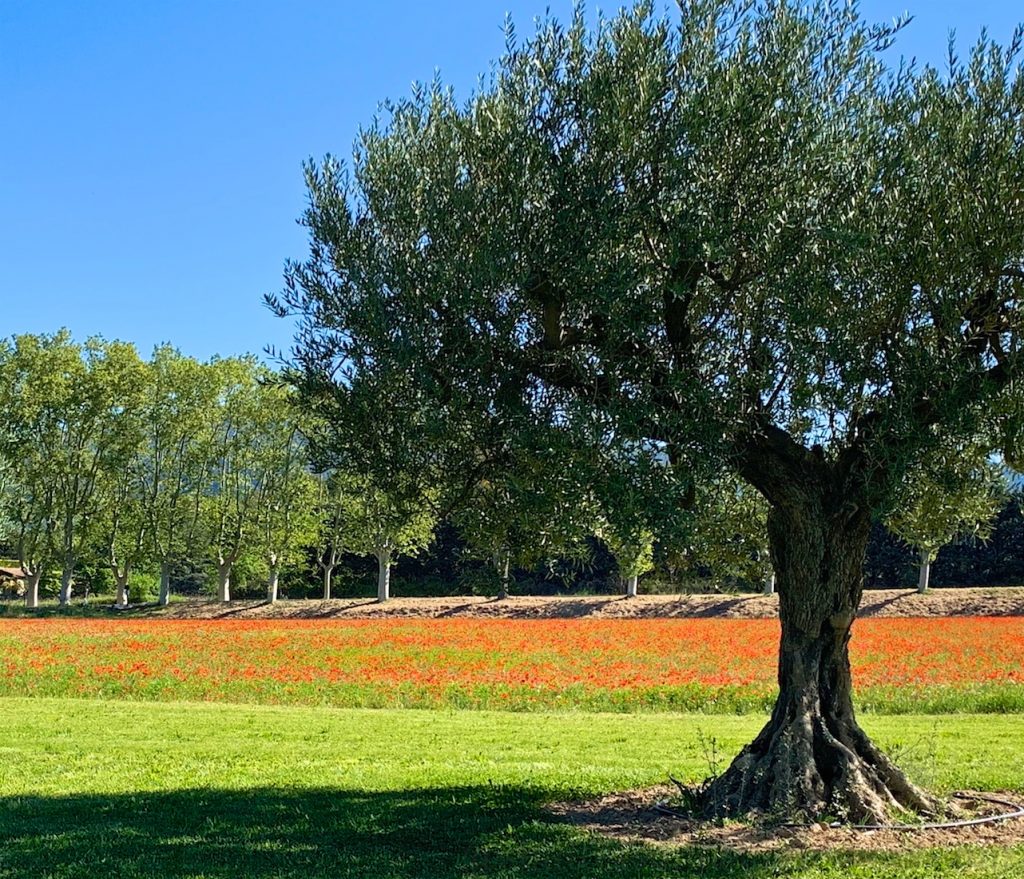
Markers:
<point>769,584</point>
<point>66,585</point>
<point>926,571</point>
<point>383,576</point>
<point>165,584</point>
<point>224,581</point>
<point>501,565</point>
<point>122,591</point>
<point>328,572</point>
<point>32,589</point>
<point>631,584</point>
<point>272,584</point>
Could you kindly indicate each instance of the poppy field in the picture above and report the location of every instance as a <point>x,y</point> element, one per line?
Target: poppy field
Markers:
<point>966,664</point>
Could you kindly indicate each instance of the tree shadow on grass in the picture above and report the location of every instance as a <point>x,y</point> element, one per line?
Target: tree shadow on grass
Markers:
<point>441,832</point>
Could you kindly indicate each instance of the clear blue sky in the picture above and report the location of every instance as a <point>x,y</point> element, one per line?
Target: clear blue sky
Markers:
<point>150,152</point>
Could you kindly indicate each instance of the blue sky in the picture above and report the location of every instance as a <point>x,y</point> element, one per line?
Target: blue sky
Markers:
<point>150,152</point>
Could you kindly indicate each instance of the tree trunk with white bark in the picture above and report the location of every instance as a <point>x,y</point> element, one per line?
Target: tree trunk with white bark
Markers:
<point>502,562</point>
<point>328,573</point>
<point>122,590</point>
<point>32,589</point>
<point>272,583</point>
<point>631,585</point>
<point>925,573</point>
<point>383,576</point>
<point>165,584</point>
<point>67,579</point>
<point>769,583</point>
<point>224,581</point>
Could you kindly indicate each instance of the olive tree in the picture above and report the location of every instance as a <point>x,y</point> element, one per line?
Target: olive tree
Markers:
<point>733,231</point>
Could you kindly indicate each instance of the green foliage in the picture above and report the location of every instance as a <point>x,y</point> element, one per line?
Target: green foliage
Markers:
<point>71,428</point>
<point>110,462</point>
<point>230,500</point>
<point>729,534</point>
<point>634,552</point>
<point>740,237</point>
<point>180,418</point>
<point>533,509</point>
<point>286,516</point>
<point>954,494</point>
<point>381,524</point>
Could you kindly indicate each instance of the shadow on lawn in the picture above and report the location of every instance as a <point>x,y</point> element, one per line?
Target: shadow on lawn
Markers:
<point>444,832</point>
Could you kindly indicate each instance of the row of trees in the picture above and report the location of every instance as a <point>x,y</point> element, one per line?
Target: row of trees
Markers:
<point>151,465</point>
<point>106,458</point>
<point>146,464</point>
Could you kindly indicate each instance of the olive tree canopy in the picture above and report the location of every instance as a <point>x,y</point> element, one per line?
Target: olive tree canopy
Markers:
<point>733,235</point>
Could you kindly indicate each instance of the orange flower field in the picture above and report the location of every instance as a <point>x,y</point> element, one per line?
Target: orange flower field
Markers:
<point>899,665</point>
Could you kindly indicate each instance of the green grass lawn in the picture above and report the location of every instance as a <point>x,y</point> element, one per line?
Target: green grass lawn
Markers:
<point>92,788</point>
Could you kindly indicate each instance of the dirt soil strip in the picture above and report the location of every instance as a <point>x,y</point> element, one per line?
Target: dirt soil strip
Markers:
<point>631,816</point>
<point>1007,601</point>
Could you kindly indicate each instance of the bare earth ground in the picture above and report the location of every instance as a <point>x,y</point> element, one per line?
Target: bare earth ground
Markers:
<point>632,816</point>
<point>1006,601</point>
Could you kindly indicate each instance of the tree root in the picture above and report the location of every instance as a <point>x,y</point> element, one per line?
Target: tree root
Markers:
<point>809,769</point>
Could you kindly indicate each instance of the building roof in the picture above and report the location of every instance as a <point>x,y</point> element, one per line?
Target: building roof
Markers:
<point>16,573</point>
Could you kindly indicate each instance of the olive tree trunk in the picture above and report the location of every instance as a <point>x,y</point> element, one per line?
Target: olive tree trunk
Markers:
<point>812,759</point>
<point>383,575</point>
<point>631,583</point>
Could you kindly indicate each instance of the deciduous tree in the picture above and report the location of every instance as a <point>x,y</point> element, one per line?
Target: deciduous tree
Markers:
<point>180,415</point>
<point>955,493</point>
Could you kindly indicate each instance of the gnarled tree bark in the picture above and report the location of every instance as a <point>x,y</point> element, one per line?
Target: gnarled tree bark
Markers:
<point>812,759</point>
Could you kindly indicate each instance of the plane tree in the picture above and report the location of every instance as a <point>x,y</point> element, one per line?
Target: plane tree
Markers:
<point>956,493</point>
<point>287,493</point>
<point>638,500</point>
<point>179,415</point>
<point>330,516</point>
<point>244,442</point>
<point>385,525</point>
<point>735,231</point>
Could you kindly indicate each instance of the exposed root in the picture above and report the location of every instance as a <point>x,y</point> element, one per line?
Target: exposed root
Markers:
<point>805,768</point>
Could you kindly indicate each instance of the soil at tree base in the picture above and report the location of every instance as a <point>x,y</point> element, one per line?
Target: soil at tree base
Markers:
<point>635,815</point>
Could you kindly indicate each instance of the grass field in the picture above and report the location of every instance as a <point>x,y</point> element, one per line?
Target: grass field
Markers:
<point>938,666</point>
<point>93,788</point>
<point>127,751</point>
